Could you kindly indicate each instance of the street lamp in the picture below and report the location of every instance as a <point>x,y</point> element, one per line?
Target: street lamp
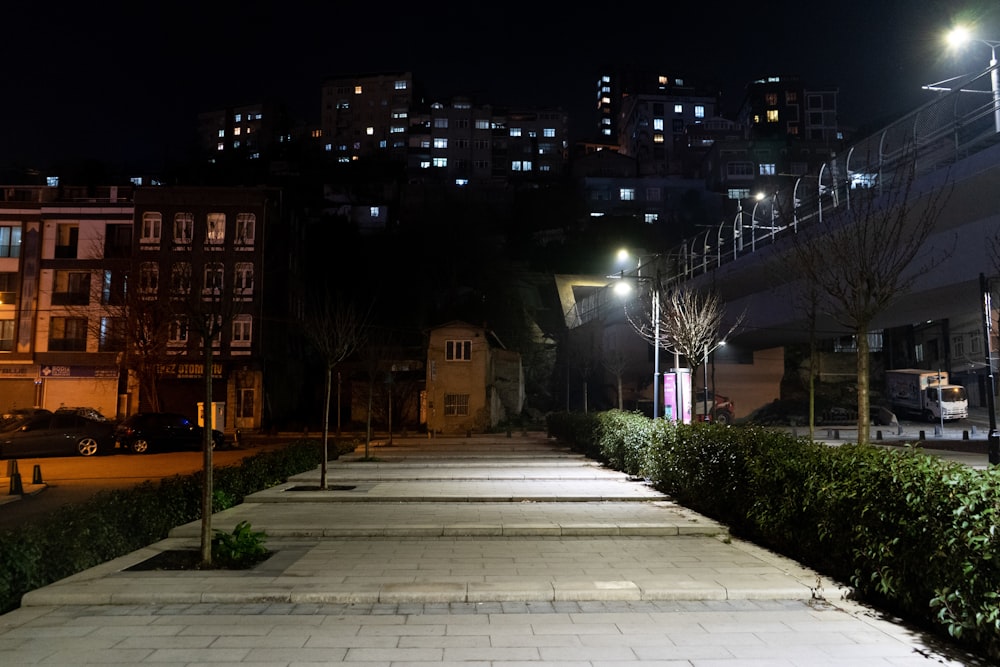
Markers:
<point>960,36</point>
<point>622,288</point>
<point>994,437</point>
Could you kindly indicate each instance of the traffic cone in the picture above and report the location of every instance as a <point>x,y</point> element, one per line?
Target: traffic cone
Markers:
<point>36,474</point>
<point>16,489</point>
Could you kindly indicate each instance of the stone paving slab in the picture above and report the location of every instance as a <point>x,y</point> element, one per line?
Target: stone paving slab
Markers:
<point>572,575</point>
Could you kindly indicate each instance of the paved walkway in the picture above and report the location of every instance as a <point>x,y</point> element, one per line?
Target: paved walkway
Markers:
<point>475,551</point>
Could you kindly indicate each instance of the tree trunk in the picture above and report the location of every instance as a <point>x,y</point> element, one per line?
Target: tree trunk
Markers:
<point>326,427</point>
<point>206,489</point>
<point>864,419</point>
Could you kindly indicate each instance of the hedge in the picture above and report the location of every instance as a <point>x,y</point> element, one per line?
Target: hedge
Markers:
<point>911,532</point>
<point>116,522</point>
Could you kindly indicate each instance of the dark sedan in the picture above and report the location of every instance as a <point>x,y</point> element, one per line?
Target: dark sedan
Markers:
<point>161,431</point>
<point>58,434</point>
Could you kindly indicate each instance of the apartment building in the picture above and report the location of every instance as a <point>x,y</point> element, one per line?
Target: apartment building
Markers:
<point>62,252</point>
<point>366,116</point>
<point>198,259</point>
<point>461,143</point>
<point>784,106</point>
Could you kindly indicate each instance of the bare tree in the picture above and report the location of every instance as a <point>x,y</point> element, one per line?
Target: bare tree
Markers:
<point>616,362</point>
<point>690,322</point>
<point>335,329</point>
<point>207,301</point>
<point>376,361</point>
<point>859,259</point>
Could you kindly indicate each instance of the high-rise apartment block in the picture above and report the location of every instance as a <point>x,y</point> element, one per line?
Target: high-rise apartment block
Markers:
<point>367,116</point>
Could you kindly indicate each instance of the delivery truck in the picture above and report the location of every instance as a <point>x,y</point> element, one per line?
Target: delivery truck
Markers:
<point>926,395</point>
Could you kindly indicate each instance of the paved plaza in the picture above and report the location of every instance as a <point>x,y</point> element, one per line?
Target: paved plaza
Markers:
<point>486,550</point>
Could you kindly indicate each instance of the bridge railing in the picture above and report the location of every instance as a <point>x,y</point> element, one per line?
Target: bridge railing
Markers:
<point>949,128</point>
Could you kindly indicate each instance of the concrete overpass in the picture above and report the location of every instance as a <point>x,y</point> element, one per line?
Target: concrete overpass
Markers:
<point>952,145</point>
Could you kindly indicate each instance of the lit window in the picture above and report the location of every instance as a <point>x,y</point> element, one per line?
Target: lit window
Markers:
<point>238,118</point>
<point>440,142</point>
<point>549,132</point>
<point>658,124</point>
<point>397,129</point>
<point>482,124</point>
<point>458,350</point>
<point>10,241</point>
<point>401,84</point>
<point>650,218</point>
<point>357,90</point>
<point>456,405</point>
<point>515,131</point>
<point>626,194</point>
<point>220,146</point>
<point>374,211</point>
<point>772,115</point>
<point>658,138</point>
<point>151,223</point>
<point>183,228</point>
<point>222,133</point>
<point>440,123</point>
<point>678,108</point>
<point>369,130</point>
<point>767,170</point>
<point>215,228</point>
<point>440,162</point>
<point>236,131</point>
<point>699,111</point>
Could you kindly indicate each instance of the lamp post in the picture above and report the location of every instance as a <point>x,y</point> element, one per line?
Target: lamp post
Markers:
<point>960,36</point>
<point>622,288</point>
<point>994,437</point>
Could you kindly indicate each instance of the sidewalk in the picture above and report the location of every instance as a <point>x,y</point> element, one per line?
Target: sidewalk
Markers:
<point>481,550</point>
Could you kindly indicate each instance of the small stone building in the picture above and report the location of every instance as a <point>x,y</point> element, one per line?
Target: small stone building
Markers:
<point>473,382</point>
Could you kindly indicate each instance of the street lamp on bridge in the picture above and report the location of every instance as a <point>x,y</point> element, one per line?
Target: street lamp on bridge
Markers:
<point>958,37</point>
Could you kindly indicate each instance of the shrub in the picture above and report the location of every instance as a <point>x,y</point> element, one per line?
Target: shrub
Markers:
<point>116,522</point>
<point>910,531</point>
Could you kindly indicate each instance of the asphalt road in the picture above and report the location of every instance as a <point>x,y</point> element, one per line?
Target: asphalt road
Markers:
<point>74,479</point>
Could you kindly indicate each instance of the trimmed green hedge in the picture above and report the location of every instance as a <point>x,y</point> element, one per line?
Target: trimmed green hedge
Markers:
<point>117,522</point>
<point>912,533</point>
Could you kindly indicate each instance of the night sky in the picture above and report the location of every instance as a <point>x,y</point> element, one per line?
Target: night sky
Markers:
<point>123,82</point>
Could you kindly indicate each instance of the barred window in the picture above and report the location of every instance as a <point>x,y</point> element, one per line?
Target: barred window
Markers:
<point>456,405</point>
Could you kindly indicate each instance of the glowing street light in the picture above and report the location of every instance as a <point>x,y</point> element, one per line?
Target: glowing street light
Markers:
<point>957,38</point>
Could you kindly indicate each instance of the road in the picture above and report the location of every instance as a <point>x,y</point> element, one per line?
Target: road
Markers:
<point>74,479</point>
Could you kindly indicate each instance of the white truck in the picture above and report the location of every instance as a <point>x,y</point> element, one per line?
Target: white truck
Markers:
<point>926,394</point>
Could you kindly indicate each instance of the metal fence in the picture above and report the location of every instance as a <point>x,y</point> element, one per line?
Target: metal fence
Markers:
<point>949,128</point>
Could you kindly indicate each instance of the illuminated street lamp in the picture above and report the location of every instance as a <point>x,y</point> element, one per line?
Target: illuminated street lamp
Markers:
<point>622,288</point>
<point>960,36</point>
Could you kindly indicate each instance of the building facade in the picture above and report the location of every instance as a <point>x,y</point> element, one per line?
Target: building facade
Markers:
<point>60,339</point>
<point>473,382</point>
<point>366,116</point>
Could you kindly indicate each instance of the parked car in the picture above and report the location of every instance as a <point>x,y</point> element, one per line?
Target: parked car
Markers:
<point>14,418</point>
<point>161,431</point>
<point>59,434</point>
<point>720,410</point>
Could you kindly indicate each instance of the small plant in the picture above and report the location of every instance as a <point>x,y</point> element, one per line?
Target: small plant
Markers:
<point>242,548</point>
